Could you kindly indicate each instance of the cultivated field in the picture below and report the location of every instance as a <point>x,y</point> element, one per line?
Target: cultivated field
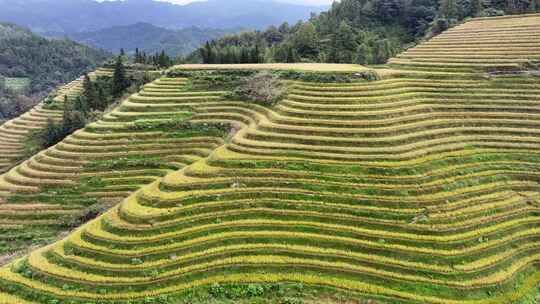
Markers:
<point>302,67</point>
<point>14,132</point>
<point>16,84</point>
<point>486,43</point>
<point>131,146</point>
<point>414,189</point>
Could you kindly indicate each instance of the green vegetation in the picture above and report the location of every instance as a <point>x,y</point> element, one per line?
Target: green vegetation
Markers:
<point>81,178</point>
<point>96,97</point>
<point>354,31</point>
<point>420,185</point>
<point>159,59</point>
<point>46,62</point>
<point>42,66</point>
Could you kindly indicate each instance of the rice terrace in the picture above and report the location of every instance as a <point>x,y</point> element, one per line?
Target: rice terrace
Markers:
<point>412,181</point>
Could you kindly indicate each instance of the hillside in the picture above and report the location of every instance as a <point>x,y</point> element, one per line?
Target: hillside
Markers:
<point>40,63</point>
<point>15,132</point>
<point>149,38</point>
<point>356,31</point>
<point>71,16</point>
<point>419,187</point>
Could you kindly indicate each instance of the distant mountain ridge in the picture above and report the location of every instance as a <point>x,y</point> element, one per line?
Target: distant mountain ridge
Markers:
<point>149,38</point>
<point>46,62</point>
<point>71,16</point>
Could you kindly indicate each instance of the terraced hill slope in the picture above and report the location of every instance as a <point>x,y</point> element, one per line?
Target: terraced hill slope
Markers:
<point>497,43</point>
<point>129,147</point>
<point>14,132</point>
<point>414,189</point>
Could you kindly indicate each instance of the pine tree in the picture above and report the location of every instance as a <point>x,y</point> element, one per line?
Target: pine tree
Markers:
<point>137,56</point>
<point>120,81</point>
<point>67,108</point>
<point>207,53</point>
<point>89,92</point>
<point>255,54</point>
<point>81,105</point>
<point>66,115</point>
<point>244,55</point>
<point>102,99</point>
<point>163,60</point>
<point>51,134</point>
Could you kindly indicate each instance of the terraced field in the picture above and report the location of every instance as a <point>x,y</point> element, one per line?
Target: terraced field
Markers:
<point>14,132</point>
<point>500,43</point>
<point>129,147</point>
<point>412,189</point>
<point>300,67</point>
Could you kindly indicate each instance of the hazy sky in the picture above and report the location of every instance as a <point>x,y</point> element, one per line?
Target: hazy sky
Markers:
<point>309,2</point>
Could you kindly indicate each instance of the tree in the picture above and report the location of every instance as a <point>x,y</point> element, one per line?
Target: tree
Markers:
<point>207,53</point>
<point>476,8</point>
<point>388,10</point>
<point>364,54</point>
<point>344,44</point>
<point>51,135</point>
<point>102,98</point>
<point>89,92</point>
<point>306,40</point>
<point>144,58</point>
<point>138,57</point>
<point>244,55</point>
<point>273,36</point>
<point>255,56</point>
<point>163,60</point>
<point>284,28</point>
<point>81,105</point>
<point>120,81</point>
<point>448,9</point>
<point>383,51</point>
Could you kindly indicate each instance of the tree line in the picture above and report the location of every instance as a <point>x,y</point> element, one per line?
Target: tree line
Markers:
<point>354,31</point>
<point>159,59</point>
<point>95,98</point>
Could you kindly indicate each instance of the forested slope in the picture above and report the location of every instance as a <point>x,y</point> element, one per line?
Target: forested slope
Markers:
<point>43,62</point>
<point>355,31</point>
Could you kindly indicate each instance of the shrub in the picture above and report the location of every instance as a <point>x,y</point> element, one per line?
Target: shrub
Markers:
<point>263,87</point>
<point>216,290</point>
<point>254,290</point>
<point>316,77</point>
<point>369,75</point>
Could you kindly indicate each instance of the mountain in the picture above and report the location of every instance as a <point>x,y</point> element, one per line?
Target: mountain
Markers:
<point>31,65</point>
<point>148,38</point>
<point>68,16</point>
<point>46,62</point>
<point>355,31</point>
